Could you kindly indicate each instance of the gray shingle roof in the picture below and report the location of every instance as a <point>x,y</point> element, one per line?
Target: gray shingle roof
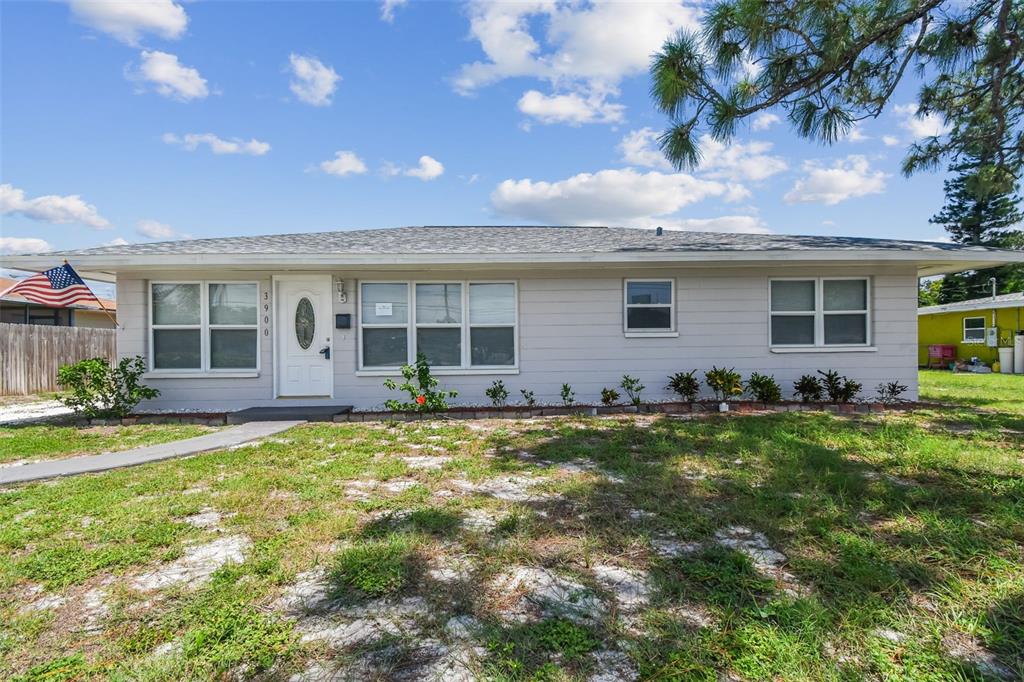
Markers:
<point>507,240</point>
<point>1011,300</point>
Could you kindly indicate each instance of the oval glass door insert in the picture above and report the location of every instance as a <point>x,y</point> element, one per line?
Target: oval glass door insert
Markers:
<point>305,323</point>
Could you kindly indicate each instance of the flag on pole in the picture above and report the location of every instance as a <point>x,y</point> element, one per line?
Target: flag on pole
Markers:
<point>57,287</point>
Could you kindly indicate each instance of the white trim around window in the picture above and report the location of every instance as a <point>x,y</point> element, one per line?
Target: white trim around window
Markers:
<point>816,315</point>
<point>649,332</point>
<point>206,329</point>
<point>465,324</point>
<point>973,328</point>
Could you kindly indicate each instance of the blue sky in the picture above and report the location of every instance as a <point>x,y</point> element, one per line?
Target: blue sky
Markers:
<point>163,120</point>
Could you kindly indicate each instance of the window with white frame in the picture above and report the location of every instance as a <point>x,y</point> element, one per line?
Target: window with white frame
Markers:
<point>456,325</point>
<point>204,326</point>
<point>820,312</point>
<point>974,330</point>
<point>650,305</point>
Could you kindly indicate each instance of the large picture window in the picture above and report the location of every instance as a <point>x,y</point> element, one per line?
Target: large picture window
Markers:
<point>204,326</point>
<point>456,325</point>
<point>820,312</point>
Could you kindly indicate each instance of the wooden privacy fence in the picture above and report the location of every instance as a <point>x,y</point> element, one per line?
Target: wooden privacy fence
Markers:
<point>31,354</point>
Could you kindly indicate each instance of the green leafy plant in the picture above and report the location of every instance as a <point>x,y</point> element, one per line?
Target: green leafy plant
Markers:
<point>838,388</point>
<point>373,567</point>
<point>568,395</point>
<point>528,397</point>
<point>632,387</point>
<point>808,388</point>
<point>609,396</point>
<point>726,383</point>
<point>890,392</point>
<point>685,385</point>
<point>764,388</point>
<point>97,389</point>
<point>422,394</point>
<point>497,393</point>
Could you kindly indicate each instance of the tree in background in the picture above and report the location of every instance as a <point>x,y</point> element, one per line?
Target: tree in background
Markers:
<point>831,64</point>
<point>980,211</point>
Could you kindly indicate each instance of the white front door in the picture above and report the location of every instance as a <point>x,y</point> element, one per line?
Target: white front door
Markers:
<point>304,332</point>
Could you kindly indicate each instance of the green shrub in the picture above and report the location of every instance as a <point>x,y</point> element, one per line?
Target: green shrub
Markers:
<point>726,383</point>
<point>528,397</point>
<point>497,393</point>
<point>632,387</point>
<point>609,396</point>
<point>764,388</point>
<point>808,388</point>
<point>838,388</point>
<point>422,396</point>
<point>95,389</point>
<point>373,567</point>
<point>685,385</point>
<point>890,392</point>
<point>568,395</point>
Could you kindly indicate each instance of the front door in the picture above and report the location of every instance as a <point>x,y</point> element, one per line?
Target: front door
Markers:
<point>303,348</point>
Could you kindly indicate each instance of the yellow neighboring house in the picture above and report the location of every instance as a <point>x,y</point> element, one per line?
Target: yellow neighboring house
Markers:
<point>964,324</point>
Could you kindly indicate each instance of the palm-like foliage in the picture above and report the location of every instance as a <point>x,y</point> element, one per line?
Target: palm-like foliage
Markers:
<point>831,63</point>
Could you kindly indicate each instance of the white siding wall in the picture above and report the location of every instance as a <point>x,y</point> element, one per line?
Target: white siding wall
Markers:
<point>570,330</point>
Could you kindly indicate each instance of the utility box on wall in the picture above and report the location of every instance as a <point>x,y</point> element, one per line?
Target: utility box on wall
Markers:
<point>992,337</point>
<point>343,321</point>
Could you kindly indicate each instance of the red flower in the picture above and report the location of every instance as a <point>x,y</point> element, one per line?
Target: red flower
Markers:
<point>420,399</point>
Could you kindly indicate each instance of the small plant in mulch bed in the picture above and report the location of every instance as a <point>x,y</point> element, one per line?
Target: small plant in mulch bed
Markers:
<point>685,385</point>
<point>609,396</point>
<point>497,393</point>
<point>808,388</point>
<point>726,383</point>
<point>764,388</point>
<point>890,392</point>
<point>528,397</point>
<point>420,386</point>
<point>373,568</point>
<point>632,387</point>
<point>96,389</point>
<point>568,395</point>
<point>838,388</point>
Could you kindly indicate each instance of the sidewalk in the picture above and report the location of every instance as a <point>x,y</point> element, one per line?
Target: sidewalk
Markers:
<point>71,466</point>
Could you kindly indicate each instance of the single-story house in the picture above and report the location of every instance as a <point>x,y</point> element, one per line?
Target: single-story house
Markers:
<point>965,324</point>
<point>15,309</point>
<point>324,318</point>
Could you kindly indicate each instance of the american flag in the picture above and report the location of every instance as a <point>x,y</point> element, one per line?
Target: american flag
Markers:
<point>58,287</point>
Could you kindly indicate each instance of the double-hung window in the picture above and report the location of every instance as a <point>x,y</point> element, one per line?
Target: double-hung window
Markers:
<point>650,306</point>
<point>820,312</point>
<point>456,325</point>
<point>204,326</point>
<point>974,330</point>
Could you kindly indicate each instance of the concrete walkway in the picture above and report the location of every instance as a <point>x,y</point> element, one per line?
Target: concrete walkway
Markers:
<point>71,466</point>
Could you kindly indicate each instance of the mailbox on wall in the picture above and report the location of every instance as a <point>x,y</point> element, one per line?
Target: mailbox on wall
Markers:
<point>343,321</point>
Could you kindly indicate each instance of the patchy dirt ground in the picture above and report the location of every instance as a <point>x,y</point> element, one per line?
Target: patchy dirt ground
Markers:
<point>595,549</point>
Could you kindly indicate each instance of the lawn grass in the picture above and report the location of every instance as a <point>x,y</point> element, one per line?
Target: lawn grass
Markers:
<point>1003,392</point>
<point>33,442</point>
<point>902,536</point>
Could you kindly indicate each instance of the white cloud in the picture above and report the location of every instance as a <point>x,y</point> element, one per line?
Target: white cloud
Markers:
<point>738,161</point>
<point>605,197</point>
<point>117,241</point>
<point>428,169</point>
<point>192,141</point>
<point>24,245</point>
<point>856,134</point>
<point>586,49</point>
<point>890,140</point>
<point>155,229</point>
<point>168,76</point>
<point>313,82</point>
<point>128,21</point>
<point>846,179</point>
<point>344,163</point>
<point>388,7</point>
<point>929,125</point>
<point>51,208</point>
<point>572,108</point>
<point>765,120</point>
<point>639,148</point>
<point>726,223</point>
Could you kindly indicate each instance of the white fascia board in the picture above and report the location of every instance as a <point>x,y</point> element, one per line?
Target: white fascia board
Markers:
<point>958,308</point>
